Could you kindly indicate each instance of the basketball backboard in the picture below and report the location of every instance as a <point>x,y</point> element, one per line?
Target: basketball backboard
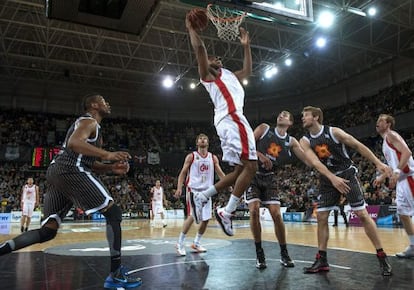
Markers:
<point>290,10</point>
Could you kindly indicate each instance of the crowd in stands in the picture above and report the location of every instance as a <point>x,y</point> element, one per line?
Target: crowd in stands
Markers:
<point>298,184</point>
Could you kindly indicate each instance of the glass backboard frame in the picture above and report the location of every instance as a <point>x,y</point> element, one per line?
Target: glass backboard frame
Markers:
<point>264,10</point>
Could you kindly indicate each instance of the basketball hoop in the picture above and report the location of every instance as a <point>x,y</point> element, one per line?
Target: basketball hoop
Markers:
<point>226,21</point>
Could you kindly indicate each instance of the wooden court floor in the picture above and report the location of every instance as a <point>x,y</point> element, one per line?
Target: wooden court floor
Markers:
<point>352,238</point>
<point>228,264</point>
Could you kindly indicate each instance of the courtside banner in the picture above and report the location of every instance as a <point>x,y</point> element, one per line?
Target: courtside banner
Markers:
<point>5,218</point>
<point>373,211</point>
<point>5,223</point>
<point>17,215</point>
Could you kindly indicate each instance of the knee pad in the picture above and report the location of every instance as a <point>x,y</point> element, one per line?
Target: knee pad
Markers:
<point>113,214</point>
<point>46,234</point>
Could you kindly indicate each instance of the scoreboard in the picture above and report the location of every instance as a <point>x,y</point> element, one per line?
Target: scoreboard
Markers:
<point>42,156</point>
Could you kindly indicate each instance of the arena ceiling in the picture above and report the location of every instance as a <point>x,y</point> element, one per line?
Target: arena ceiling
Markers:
<point>50,53</point>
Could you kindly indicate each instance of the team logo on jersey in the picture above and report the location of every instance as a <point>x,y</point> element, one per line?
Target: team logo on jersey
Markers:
<point>203,167</point>
<point>274,149</point>
<point>322,151</point>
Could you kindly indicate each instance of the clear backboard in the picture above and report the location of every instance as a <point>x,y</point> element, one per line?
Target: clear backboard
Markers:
<point>282,10</point>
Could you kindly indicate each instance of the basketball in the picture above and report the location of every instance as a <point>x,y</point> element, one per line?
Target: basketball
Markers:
<point>198,18</point>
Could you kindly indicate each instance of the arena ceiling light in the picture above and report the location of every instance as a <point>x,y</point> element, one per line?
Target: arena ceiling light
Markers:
<point>168,82</point>
<point>320,42</point>
<point>270,72</point>
<point>193,86</point>
<point>326,19</point>
<point>288,62</point>
<point>245,82</point>
<point>372,11</point>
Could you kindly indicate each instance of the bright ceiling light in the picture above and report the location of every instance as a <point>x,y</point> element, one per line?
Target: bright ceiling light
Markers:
<point>321,42</point>
<point>168,82</point>
<point>245,82</point>
<point>326,19</point>
<point>270,72</point>
<point>288,62</point>
<point>372,11</point>
<point>193,86</point>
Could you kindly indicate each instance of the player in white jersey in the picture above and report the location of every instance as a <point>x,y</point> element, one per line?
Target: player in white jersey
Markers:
<point>30,200</point>
<point>197,174</point>
<point>400,159</point>
<point>236,135</point>
<point>157,203</point>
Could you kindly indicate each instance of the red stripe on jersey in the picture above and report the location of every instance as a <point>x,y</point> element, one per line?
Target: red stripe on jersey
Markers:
<point>232,112</point>
<point>226,94</point>
<point>405,169</point>
<point>411,184</point>
<point>187,178</point>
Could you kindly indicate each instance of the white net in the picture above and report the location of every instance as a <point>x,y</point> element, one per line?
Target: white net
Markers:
<point>226,21</point>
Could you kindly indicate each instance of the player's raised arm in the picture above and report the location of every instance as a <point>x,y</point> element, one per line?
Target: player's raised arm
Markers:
<point>200,51</point>
<point>247,61</point>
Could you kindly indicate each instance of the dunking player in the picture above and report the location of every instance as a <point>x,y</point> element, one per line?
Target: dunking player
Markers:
<point>274,146</point>
<point>198,172</point>
<point>400,159</point>
<point>236,135</point>
<point>71,181</point>
<point>30,200</point>
<point>325,150</point>
<point>157,203</point>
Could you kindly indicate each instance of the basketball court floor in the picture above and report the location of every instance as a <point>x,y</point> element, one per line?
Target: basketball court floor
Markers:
<point>78,259</point>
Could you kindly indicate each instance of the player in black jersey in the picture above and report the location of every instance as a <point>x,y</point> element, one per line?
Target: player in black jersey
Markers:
<point>325,150</point>
<point>71,181</point>
<point>274,149</point>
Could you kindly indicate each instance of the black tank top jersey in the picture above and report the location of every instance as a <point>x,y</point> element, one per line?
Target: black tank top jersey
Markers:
<point>329,151</point>
<point>275,147</point>
<point>67,157</point>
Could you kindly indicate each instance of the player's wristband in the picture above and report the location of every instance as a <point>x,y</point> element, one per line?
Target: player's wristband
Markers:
<point>397,171</point>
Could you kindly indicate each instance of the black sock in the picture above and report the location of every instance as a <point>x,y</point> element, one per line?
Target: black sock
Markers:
<point>113,231</point>
<point>380,250</point>
<point>283,248</point>
<point>115,262</point>
<point>258,246</point>
<point>323,254</point>
<point>113,234</point>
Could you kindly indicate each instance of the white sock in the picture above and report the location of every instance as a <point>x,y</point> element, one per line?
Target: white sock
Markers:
<point>411,238</point>
<point>181,238</point>
<point>232,204</point>
<point>210,191</point>
<point>197,239</point>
